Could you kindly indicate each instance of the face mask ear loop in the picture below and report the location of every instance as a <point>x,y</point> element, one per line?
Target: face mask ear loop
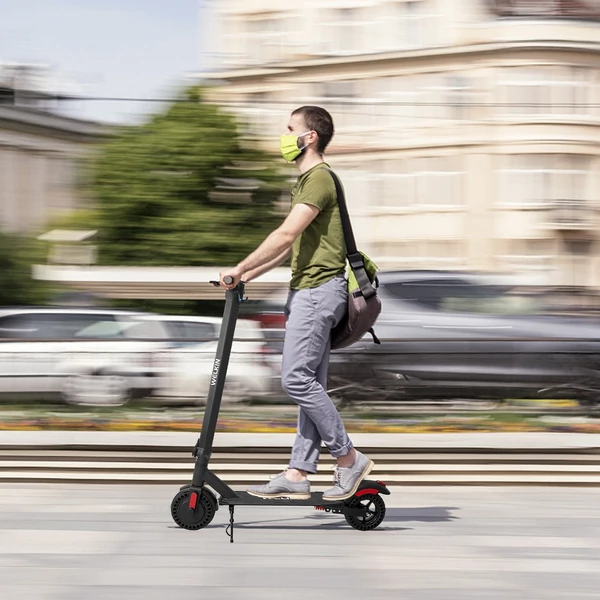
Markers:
<point>305,145</point>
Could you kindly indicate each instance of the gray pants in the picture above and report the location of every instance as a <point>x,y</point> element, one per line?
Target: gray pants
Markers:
<point>311,314</point>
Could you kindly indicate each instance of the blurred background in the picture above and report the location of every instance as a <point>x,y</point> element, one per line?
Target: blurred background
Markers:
<point>131,170</point>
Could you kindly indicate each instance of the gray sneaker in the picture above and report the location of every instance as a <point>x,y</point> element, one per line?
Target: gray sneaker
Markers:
<point>280,487</point>
<point>347,479</point>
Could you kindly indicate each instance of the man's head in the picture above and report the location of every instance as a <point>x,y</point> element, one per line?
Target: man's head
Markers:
<point>315,126</point>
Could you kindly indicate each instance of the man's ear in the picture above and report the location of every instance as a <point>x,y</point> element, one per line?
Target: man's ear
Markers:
<point>313,137</point>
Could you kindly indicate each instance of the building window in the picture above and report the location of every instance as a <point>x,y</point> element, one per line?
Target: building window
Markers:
<point>339,89</point>
<point>264,39</point>
<point>260,114</point>
<point>338,97</point>
<point>342,32</point>
<point>440,181</point>
<point>445,96</point>
<point>347,31</point>
<point>432,254</point>
<point>424,100</point>
<point>457,92</point>
<point>406,25</point>
<point>411,20</point>
<point>426,182</point>
<point>527,255</point>
<point>544,179</point>
<point>401,101</point>
<point>547,90</point>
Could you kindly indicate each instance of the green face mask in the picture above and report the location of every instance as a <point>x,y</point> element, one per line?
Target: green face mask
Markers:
<point>289,146</point>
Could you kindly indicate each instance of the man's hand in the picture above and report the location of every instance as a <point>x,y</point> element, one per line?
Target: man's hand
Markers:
<point>235,273</point>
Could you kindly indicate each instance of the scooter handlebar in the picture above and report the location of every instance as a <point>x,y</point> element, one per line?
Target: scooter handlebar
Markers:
<point>228,279</point>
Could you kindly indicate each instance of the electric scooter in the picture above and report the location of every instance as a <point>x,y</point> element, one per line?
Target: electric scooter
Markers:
<point>195,505</point>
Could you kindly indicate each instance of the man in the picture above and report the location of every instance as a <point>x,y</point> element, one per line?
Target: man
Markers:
<point>313,235</point>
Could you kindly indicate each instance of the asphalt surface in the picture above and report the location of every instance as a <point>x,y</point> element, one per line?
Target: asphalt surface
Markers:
<point>465,441</point>
<point>70,542</point>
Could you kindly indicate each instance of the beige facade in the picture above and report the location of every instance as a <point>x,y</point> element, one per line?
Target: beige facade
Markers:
<point>465,140</point>
<point>39,155</point>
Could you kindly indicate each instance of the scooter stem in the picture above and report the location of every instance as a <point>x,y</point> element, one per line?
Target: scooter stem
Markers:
<point>203,448</point>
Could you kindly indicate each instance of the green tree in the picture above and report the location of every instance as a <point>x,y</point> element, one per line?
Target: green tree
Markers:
<point>182,190</point>
<point>17,287</point>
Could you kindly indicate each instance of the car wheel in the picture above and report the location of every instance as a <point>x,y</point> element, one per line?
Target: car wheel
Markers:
<point>235,392</point>
<point>96,390</point>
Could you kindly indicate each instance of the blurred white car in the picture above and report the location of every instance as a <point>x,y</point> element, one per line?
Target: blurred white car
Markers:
<point>105,357</point>
<point>190,360</point>
<point>87,356</point>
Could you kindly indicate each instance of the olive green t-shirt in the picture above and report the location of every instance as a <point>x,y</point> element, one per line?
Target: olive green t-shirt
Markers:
<point>319,252</point>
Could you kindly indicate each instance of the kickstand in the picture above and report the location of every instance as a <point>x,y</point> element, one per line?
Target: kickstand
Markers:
<point>229,528</point>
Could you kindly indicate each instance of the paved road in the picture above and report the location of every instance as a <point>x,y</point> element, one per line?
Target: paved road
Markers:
<point>73,542</point>
<point>414,441</point>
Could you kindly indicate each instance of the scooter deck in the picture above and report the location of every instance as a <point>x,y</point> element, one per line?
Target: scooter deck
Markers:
<point>316,499</point>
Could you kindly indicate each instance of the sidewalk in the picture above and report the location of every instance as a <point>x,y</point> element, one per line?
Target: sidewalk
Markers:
<point>468,441</point>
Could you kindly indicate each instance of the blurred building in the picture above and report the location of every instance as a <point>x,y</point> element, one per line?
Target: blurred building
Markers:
<point>39,149</point>
<point>467,130</point>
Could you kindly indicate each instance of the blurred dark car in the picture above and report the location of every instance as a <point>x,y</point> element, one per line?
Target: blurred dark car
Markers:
<point>452,335</point>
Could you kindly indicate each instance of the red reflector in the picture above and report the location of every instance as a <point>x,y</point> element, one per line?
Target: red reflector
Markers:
<point>193,500</point>
<point>381,483</point>
<point>366,491</point>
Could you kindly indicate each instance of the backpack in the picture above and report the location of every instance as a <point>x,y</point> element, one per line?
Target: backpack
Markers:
<point>364,305</point>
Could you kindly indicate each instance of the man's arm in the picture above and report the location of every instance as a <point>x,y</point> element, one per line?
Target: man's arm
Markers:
<point>250,275</point>
<point>275,244</point>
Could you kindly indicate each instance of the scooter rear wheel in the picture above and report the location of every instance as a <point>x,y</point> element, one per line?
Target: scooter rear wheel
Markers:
<point>375,507</point>
<point>193,518</point>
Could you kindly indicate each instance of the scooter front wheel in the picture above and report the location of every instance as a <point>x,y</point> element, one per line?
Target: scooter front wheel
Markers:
<point>374,515</point>
<point>193,509</point>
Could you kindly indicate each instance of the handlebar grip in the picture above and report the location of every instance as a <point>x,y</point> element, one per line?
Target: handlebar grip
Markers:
<point>228,279</point>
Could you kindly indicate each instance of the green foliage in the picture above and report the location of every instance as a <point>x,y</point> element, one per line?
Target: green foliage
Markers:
<point>181,190</point>
<point>17,288</point>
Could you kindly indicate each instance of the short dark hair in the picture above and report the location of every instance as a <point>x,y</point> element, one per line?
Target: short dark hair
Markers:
<point>319,120</point>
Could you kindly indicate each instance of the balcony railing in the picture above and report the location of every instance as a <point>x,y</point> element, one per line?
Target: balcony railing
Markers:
<point>582,9</point>
<point>571,215</point>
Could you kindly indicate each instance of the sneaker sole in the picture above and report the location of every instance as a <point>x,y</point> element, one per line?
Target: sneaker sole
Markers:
<point>365,472</point>
<point>283,495</point>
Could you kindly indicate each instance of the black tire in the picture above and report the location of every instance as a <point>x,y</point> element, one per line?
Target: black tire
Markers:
<point>81,389</point>
<point>375,515</point>
<point>193,520</point>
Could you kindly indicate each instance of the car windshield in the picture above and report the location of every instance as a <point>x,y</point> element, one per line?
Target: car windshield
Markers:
<point>127,329</point>
<point>492,304</point>
<point>457,296</point>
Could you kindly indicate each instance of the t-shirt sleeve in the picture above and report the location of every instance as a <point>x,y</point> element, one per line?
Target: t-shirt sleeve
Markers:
<point>318,190</point>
